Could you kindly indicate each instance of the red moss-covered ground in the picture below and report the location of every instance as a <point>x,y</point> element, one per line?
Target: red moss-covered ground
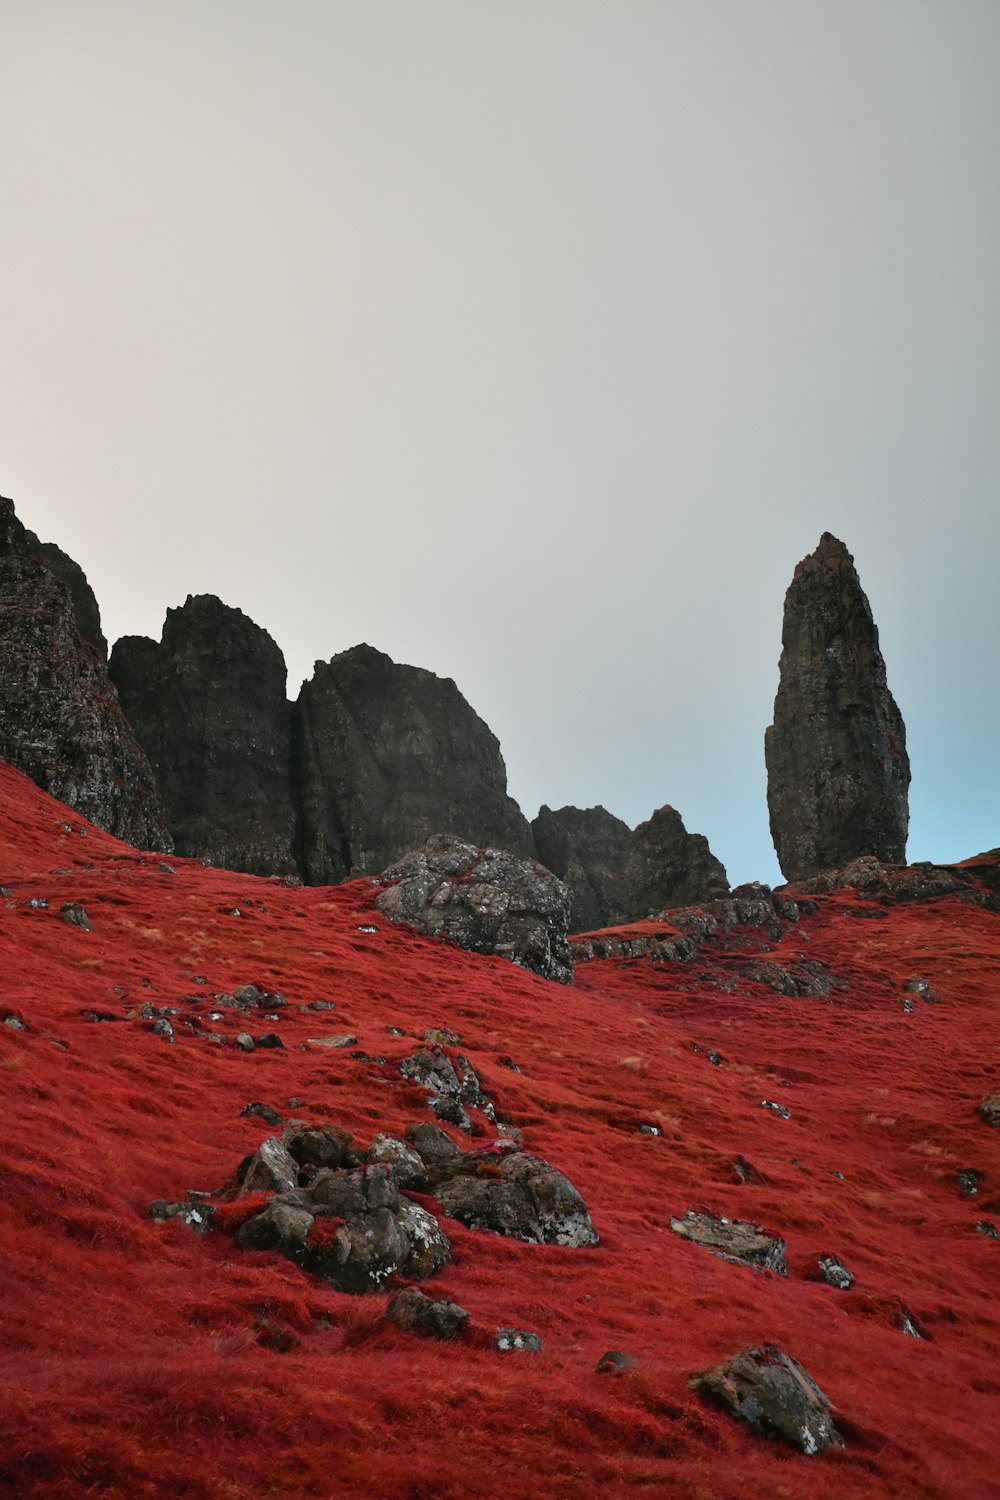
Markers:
<point>138,1359</point>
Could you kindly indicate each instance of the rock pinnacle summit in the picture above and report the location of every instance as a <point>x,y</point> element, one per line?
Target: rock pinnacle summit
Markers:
<point>837,768</point>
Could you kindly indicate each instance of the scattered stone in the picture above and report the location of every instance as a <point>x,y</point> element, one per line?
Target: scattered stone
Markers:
<point>780,1110</point>
<point>269,1039</point>
<point>908,1324</point>
<point>484,900</point>
<point>15,1023</point>
<point>244,1042</point>
<point>967,1183</point>
<point>745,1171</point>
<point>989,1109</point>
<point>320,1005</point>
<point>735,1240</point>
<point>271,1336</point>
<point>345,1039</point>
<point>280,1226</point>
<point>508,1062</point>
<point>835,1273</point>
<point>38,903</point>
<point>76,915</point>
<point>163,1028</point>
<point>987,1227</point>
<point>508,1339</point>
<point>197,1216</point>
<point>919,987</point>
<point>430,1317</point>
<point>441,1036</point>
<point>264,1112</point>
<point>649,1130</point>
<point>615,1362</point>
<point>838,771</point>
<point>772,1393</point>
<point>295,1103</point>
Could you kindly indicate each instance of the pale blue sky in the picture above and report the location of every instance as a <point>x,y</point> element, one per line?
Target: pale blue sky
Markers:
<point>533,343</point>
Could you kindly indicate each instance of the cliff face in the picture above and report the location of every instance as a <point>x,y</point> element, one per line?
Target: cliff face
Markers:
<point>60,720</point>
<point>208,705</point>
<point>384,757</point>
<point>837,767</point>
<point>588,848</point>
<point>670,867</point>
<point>617,874</point>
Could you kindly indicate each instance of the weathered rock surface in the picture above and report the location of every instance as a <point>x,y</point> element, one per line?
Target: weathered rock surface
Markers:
<point>430,1317</point>
<point>989,1109</point>
<point>668,866</point>
<point>208,706</point>
<point>387,755</point>
<point>734,1240</point>
<point>522,1197</point>
<point>484,900</point>
<point>16,539</point>
<point>589,849</point>
<point>772,1393</point>
<point>837,767</point>
<point>618,875</point>
<point>60,720</point>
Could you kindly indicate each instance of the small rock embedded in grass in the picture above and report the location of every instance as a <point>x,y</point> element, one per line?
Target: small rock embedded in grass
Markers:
<point>967,1183</point>
<point>615,1362</point>
<point>431,1318</point>
<point>319,1005</point>
<point>269,1039</point>
<point>197,1216</point>
<point>835,1273</point>
<point>264,1112</point>
<point>76,915</point>
<point>780,1110</point>
<point>919,987</point>
<point>989,1109</point>
<point>244,1042</point>
<point>735,1240</point>
<point>344,1040</point>
<point>162,1027</point>
<point>774,1396</point>
<point>507,1339</point>
<point>987,1227</point>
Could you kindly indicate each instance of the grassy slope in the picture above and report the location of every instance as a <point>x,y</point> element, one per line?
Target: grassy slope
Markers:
<point>132,1362</point>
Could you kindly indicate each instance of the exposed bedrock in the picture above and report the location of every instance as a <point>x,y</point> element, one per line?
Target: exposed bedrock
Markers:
<point>60,720</point>
<point>385,756</point>
<point>208,705</point>
<point>588,848</point>
<point>837,767</point>
<point>17,540</point>
<point>617,874</point>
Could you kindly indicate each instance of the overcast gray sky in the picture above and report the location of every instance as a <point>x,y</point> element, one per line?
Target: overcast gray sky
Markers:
<point>532,342</point>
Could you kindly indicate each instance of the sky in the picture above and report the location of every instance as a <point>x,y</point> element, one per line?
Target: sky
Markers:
<point>533,343</point>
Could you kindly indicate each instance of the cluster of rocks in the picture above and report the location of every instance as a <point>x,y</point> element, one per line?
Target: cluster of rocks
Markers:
<point>344,1214</point>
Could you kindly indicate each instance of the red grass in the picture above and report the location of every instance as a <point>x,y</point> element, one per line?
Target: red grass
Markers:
<point>142,1360</point>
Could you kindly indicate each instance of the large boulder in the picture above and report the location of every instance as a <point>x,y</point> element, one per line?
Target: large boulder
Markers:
<point>208,705</point>
<point>60,719</point>
<point>387,755</point>
<point>837,767</point>
<point>588,848</point>
<point>522,1197</point>
<point>484,900</point>
<point>668,866</point>
<point>774,1396</point>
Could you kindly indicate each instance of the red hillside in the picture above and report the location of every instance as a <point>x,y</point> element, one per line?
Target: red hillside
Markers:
<point>143,1360</point>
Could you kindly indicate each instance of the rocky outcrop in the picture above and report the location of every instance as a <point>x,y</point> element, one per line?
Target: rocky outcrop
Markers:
<point>60,720</point>
<point>387,755</point>
<point>484,900</point>
<point>17,540</point>
<point>837,767</point>
<point>619,875</point>
<point>589,849</point>
<point>208,706</point>
<point>668,866</point>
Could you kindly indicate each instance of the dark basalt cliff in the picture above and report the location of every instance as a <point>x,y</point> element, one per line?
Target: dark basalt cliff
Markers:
<point>620,875</point>
<point>588,848</point>
<point>670,867</point>
<point>208,705</point>
<point>385,756</point>
<point>837,767</point>
<point>60,720</point>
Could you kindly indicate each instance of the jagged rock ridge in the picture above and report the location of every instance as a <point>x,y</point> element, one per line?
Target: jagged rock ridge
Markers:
<point>837,767</point>
<point>621,875</point>
<point>208,705</point>
<point>60,720</point>
<point>384,757</point>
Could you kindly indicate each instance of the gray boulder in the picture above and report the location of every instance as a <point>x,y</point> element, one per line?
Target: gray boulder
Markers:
<point>527,1200</point>
<point>484,900</point>
<point>772,1393</point>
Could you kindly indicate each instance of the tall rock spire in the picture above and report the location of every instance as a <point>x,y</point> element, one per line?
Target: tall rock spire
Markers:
<point>837,768</point>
